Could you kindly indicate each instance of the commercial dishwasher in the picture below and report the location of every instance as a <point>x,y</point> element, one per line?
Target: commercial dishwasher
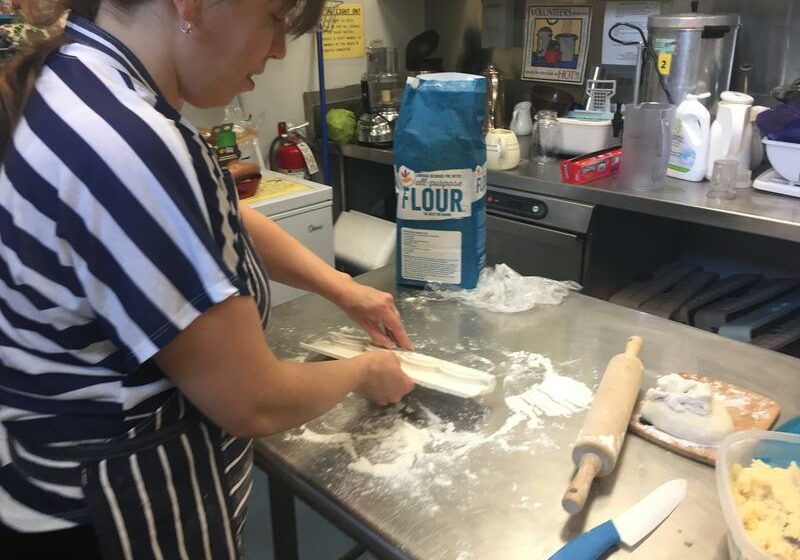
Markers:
<point>600,248</point>
<point>537,235</point>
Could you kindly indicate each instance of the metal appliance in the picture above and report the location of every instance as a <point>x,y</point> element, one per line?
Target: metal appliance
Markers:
<point>542,235</point>
<point>537,235</point>
<point>694,54</point>
<point>383,75</point>
<point>373,129</point>
<point>381,93</point>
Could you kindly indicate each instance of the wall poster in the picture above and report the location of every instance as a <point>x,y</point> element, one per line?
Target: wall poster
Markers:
<point>343,31</point>
<point>556,43</point>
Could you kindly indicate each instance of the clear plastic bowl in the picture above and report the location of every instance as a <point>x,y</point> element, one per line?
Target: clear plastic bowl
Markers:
<point>742,447</point>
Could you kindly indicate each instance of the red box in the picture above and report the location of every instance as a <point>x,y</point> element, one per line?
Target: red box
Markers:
<point>590,167</point>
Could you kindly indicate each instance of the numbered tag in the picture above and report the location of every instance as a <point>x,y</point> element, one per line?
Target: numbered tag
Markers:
<point>308,155</point>
<point>664,63</point>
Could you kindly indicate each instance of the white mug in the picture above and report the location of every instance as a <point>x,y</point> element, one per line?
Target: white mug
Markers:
<point>502,149</point>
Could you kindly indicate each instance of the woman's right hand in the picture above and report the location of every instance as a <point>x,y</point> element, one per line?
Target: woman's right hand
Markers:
<point>383,381</point>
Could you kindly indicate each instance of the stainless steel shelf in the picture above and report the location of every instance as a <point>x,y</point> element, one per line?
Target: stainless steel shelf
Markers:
<point>752,211</point>
<point>376,155</point>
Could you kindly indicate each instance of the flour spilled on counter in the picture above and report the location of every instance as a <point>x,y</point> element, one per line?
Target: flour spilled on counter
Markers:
<point>555,396</point>
<point>403,449</point>
<point>396,453</point>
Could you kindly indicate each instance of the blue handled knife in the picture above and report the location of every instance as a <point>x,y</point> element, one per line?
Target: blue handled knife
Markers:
<point>629,527</point>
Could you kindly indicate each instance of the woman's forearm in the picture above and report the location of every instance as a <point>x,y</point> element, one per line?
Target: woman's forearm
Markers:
<point>223,366</point>
<point>290,262</point>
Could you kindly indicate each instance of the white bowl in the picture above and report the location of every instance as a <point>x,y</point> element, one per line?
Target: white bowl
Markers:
<point>785,158</point>
<point>578,137</point>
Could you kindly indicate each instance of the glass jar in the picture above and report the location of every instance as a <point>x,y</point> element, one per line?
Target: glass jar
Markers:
<point>723,180</point>
<point>545,138</point>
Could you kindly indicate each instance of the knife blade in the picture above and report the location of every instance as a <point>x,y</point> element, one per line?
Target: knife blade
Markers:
<point>629,527</point>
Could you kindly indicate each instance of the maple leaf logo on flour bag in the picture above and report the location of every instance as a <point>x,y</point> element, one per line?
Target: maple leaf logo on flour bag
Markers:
<point>406,176</point>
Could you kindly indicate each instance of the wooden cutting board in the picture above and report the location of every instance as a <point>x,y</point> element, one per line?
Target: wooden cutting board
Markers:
<point>748,409</point>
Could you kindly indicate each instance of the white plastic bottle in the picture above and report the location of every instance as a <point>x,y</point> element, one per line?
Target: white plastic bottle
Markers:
<point>731,131</point>
<point>691,132</point>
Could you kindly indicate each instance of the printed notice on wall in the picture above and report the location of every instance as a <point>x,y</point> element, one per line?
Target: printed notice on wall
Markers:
<point>556,43</point>
<point>343,31</point>
<point>625,12</point>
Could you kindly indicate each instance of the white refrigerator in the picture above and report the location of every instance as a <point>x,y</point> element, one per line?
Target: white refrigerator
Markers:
<point>304,210</point>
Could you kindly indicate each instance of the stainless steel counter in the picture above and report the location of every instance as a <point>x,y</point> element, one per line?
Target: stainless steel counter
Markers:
<point>485,489</point>
<point>752,211</point>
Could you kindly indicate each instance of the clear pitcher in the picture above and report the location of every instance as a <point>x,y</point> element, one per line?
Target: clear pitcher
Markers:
<point>646,141</point>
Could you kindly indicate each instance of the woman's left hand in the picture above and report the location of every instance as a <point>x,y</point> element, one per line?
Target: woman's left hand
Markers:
<point>375,312</point>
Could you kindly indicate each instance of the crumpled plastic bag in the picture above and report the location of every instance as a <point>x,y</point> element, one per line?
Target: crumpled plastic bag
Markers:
<point>502,289</point>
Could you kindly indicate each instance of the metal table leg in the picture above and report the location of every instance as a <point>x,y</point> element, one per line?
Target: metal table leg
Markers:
<point>284,484</point>
<point>284,522</point>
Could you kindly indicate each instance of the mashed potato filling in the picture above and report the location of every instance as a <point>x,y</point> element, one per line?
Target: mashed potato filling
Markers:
<point>768,501</point>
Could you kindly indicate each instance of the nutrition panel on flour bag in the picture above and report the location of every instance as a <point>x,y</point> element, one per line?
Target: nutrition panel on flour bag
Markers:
<point>440,178</point>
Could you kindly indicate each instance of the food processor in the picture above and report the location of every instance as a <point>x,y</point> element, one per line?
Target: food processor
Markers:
<point>381,93</point>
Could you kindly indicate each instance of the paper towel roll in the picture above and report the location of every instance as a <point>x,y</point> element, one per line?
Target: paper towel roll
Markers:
<point>363,241</point>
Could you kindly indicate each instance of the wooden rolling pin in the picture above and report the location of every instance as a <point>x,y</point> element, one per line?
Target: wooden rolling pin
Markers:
<point>600,439</point>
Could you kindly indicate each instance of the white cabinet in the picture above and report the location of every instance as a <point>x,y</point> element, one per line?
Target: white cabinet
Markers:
<point>307,215</point>
<point>313,227</point>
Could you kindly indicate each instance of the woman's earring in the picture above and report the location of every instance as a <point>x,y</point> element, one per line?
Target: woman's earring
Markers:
<point>186,27</point>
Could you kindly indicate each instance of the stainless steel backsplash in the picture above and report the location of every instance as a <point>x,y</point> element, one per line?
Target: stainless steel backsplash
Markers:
<point>473,32</point>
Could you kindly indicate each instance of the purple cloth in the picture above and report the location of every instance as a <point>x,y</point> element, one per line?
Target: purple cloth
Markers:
<point>781,123</point>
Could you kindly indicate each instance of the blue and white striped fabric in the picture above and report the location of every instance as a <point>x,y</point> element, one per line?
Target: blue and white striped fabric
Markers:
<point>116,232</point>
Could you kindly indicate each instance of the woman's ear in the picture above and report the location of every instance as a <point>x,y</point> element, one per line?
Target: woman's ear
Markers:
<point>188,10</point>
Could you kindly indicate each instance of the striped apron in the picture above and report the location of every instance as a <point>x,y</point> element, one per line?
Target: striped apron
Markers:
<point>165,492</point>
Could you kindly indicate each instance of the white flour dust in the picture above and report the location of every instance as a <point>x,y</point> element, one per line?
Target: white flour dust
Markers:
<point>396,453</point>
<point>555,396</point>
<point>401,448</point>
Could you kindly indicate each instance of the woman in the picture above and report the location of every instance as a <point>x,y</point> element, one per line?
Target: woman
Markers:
<point>133,365</point>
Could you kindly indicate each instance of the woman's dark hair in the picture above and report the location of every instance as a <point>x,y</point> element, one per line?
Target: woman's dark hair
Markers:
<point>18,75</point>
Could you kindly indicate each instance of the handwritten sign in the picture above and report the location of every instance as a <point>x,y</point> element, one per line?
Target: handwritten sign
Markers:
<point>344,38</point>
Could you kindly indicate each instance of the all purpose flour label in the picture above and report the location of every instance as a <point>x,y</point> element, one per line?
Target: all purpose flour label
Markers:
<point>440,179</point>
<point>453,198</point>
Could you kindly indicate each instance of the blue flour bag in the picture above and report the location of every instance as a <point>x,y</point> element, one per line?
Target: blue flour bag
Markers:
<point>440,179</point>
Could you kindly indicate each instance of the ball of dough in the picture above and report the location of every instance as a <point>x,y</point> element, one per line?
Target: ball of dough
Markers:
<point>703,429</point>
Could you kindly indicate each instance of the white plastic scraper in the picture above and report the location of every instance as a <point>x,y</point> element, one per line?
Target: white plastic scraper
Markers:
<point>427,371</point>
<point>629,527</point>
